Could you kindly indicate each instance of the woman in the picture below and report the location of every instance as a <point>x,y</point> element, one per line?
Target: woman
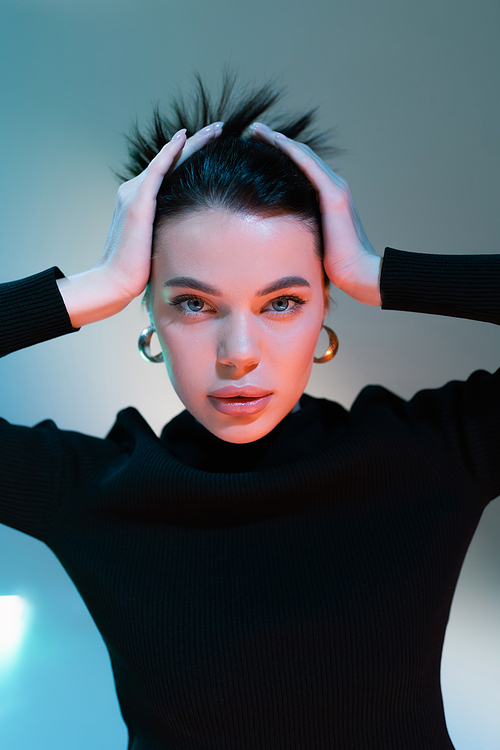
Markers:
<point>273,571</point>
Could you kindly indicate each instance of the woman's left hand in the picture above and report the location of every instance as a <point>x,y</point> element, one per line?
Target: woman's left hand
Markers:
<point>350,261</point>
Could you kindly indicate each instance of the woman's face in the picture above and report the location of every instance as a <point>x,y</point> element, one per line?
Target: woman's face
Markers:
<point>237,302</point>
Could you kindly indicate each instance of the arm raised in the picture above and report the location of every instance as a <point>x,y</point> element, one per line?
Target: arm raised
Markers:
<point>122,271</point>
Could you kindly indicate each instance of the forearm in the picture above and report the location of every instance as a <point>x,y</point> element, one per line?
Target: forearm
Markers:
<point>91,296</point>
<point>461,286</point>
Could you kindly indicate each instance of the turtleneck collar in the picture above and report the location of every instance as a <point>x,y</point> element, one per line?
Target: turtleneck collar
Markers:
<point>297,434</point>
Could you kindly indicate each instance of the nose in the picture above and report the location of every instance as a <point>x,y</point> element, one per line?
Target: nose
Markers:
<point>238,345</point>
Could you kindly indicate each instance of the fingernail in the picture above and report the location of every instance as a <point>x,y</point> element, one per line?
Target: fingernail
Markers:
<point>280,137</point>
<point>214,128</point>
<point>179,134</point>
<point>260,126</point>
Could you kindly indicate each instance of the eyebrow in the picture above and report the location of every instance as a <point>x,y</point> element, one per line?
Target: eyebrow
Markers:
<point>189,283</point>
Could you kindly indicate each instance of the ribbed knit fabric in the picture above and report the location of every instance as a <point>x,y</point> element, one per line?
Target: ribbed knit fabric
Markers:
<point>32,311</point>
<point>286,594</point>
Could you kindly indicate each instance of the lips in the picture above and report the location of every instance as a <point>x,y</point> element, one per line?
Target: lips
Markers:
<point>244,401</point>
<point>247,391</point>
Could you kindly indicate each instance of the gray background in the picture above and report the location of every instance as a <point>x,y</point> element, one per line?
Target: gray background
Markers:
<point>413,89</point>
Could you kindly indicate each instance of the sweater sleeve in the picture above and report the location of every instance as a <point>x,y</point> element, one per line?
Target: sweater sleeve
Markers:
<point>465,414</point>
<point>460,286</point>
<point>38,464</point>
<point>32,310</point>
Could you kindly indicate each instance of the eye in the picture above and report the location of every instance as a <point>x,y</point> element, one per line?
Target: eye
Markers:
<point>286,305</point>
<point>194,304</point>
<point>189,305</point>
<point>281,304</point>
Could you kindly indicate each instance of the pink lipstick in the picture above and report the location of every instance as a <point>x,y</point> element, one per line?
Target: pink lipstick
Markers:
<point>245,400</point>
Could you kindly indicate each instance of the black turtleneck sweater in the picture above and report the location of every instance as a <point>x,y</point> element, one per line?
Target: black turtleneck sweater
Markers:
<point>290,593</point>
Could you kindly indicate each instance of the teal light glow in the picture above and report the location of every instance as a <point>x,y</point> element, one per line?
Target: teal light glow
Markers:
<point>14,612</point>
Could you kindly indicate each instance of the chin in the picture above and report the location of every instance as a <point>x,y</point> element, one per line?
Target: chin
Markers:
<point>242,430</point>
<point>241,438</point>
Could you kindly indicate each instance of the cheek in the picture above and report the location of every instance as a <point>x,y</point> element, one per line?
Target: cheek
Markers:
<point>292,349</point>
<point>294,342</point>
<point>188,357</point>
<point>292,358</point>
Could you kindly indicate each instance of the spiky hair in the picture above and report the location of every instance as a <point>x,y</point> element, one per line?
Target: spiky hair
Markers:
<point>237,109</point>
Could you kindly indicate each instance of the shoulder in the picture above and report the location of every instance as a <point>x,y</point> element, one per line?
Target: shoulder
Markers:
<point>129,427</point>
<point>457,424</point>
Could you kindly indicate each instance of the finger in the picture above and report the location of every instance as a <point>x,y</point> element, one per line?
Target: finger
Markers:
<point>318,173</point>
<point>331,189</point>
<point>158,167</point>
<point>146,184</point>
<point>198,140</point>
<point>173,153</point>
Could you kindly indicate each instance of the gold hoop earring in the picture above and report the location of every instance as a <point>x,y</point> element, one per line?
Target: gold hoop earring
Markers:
<point>144,342</point>
<point>333,347</point>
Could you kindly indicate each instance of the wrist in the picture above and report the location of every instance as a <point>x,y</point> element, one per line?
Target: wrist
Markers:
<point>91,296</point>
<point>363,281</point>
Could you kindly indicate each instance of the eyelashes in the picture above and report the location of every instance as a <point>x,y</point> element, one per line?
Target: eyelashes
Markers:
<point>178,302</point>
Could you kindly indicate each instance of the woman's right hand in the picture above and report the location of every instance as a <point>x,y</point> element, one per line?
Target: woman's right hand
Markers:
<point>122,271</point>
